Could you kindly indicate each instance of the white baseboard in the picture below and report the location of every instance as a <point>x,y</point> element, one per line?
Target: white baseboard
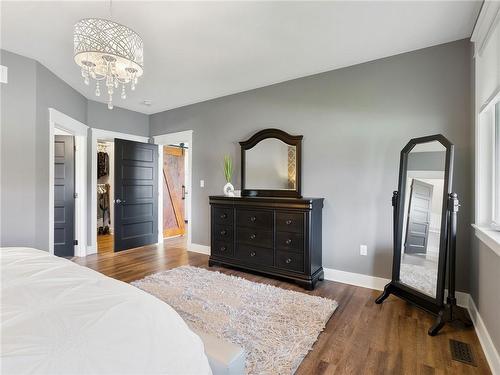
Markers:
<point>91,250</point>
<point>463,299</point>
<point>197,248</point>
<point>357,279</point>
<point>489,349</point>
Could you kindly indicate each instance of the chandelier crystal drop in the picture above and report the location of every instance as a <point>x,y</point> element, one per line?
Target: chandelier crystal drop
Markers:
<point>109,53</point>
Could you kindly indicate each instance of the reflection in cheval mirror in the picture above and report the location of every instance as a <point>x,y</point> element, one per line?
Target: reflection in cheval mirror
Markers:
<point>423,205</point>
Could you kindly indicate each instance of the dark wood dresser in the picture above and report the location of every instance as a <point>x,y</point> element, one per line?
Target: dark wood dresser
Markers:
<point>276,236</point>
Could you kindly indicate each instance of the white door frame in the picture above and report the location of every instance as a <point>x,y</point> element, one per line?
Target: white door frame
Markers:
<point>102,135</point>
<point>58,120</point>
<point>168,139</point>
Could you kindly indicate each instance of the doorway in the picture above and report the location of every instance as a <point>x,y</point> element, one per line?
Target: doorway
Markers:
<point>124,202</point>
<point>105,196</point>
<point>67,200</point>
<point>175,157</point>
<point>64,194</point>
<point>175,199</point>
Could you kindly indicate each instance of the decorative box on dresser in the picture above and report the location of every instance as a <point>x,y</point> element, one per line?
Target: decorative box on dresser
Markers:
<point>277,236</point>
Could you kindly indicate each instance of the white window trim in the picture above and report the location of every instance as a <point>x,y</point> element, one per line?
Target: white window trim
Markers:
<point>483,232</point>
<point>489,237</point>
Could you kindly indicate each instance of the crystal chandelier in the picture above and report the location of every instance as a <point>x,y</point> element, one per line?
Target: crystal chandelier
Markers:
<point>109,53</point>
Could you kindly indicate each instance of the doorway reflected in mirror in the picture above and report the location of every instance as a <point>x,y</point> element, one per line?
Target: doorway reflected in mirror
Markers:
<point>423,207</point>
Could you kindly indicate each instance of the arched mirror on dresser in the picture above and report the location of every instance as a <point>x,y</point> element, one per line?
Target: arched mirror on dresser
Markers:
<point>271,228</point>
<point>425,226</point>
<point>271,163</point>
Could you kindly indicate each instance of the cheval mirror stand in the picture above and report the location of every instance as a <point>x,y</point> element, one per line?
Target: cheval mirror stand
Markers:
<point>447,312</point>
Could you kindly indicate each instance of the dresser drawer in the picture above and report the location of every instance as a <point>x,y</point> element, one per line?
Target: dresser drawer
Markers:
<point>223,215</point>
<point>254,254</point>
<point>290,241</point>
<point>290,222</point>
<point>254,236</point>
<point>223,233</point>
<point>223,248</point>
<point>254,219</point>
<point>290,261</point>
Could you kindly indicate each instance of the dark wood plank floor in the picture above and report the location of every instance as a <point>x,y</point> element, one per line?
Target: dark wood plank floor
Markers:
<point>360,338</point>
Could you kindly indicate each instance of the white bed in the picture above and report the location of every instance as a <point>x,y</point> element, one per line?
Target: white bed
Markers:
<point>61,318</point>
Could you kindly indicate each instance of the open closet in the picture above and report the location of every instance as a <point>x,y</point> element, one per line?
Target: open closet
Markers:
<point>105,196</point>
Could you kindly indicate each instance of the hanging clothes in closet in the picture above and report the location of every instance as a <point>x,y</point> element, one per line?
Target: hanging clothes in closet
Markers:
<point>103,213</point>
<point>102,164</point>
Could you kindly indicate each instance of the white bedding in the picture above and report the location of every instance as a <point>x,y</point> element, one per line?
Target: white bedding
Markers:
<point>61,318</point>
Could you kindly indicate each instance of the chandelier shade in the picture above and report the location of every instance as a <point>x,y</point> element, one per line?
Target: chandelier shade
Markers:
<point>110,52</point>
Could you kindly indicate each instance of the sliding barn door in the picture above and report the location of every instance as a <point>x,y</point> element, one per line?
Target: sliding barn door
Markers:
<point>174,191</point>
<point>136,194</point>
<point>64,195</point>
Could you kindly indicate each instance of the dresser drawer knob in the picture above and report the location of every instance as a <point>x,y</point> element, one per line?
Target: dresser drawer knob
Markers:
<point>253,219</point>
<point>222,248</point>
<point>223,216</point>
<point>288,222</point>
<point>252,236</point>
<point>288,242</point>
<point>223,232</point>
<point>288,260</point>
<point>253,253</point>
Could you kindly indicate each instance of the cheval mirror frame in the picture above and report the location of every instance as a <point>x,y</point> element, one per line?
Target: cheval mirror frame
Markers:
<point>291,140</point>
<point>449,311</point>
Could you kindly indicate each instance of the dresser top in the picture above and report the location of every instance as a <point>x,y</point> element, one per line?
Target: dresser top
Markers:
<point>309,199</point>
<point>267,200</point>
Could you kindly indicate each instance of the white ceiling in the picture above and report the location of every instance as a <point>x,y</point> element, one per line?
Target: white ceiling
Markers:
<point>196,51</point>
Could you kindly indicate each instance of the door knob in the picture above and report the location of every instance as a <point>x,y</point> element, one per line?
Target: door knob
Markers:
<point>253,253</point>
<point>288,222</point>
<point>288,242</point>
<point>118,201</point>
<point>288,261</point>
<point>252,219</point>
<point>252,236</point>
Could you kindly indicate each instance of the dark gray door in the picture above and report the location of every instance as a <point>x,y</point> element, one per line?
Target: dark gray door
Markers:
<point>64,195</point>
<point>419,217</point>
<point>136,194</point>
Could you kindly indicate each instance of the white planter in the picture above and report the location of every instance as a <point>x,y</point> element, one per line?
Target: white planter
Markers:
<point>229,190</point>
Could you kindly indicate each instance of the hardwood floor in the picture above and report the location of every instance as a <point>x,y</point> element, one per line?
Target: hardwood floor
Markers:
<point>105,243</point>
<point>360,338</point>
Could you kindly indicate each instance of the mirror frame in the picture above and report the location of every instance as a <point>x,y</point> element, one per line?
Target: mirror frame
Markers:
<point>291,140</point>
<point>432,304</point>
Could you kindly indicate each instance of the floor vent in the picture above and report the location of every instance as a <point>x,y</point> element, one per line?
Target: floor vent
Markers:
<point>461,351</point>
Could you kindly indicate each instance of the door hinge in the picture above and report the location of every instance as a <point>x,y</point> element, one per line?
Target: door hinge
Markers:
<point>75,242</point>
<point>75,195</point>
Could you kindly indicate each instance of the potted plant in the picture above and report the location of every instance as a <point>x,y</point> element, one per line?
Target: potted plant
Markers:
<point>228,174</point>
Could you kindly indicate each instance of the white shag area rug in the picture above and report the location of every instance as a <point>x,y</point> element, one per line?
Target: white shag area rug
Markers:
<point>276,327</point>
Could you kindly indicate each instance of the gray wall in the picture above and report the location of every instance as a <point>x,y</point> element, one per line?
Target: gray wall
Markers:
<point>17,142</point>
<point>118,120</point>
<point>25,101</point>
<point>354,121</point>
